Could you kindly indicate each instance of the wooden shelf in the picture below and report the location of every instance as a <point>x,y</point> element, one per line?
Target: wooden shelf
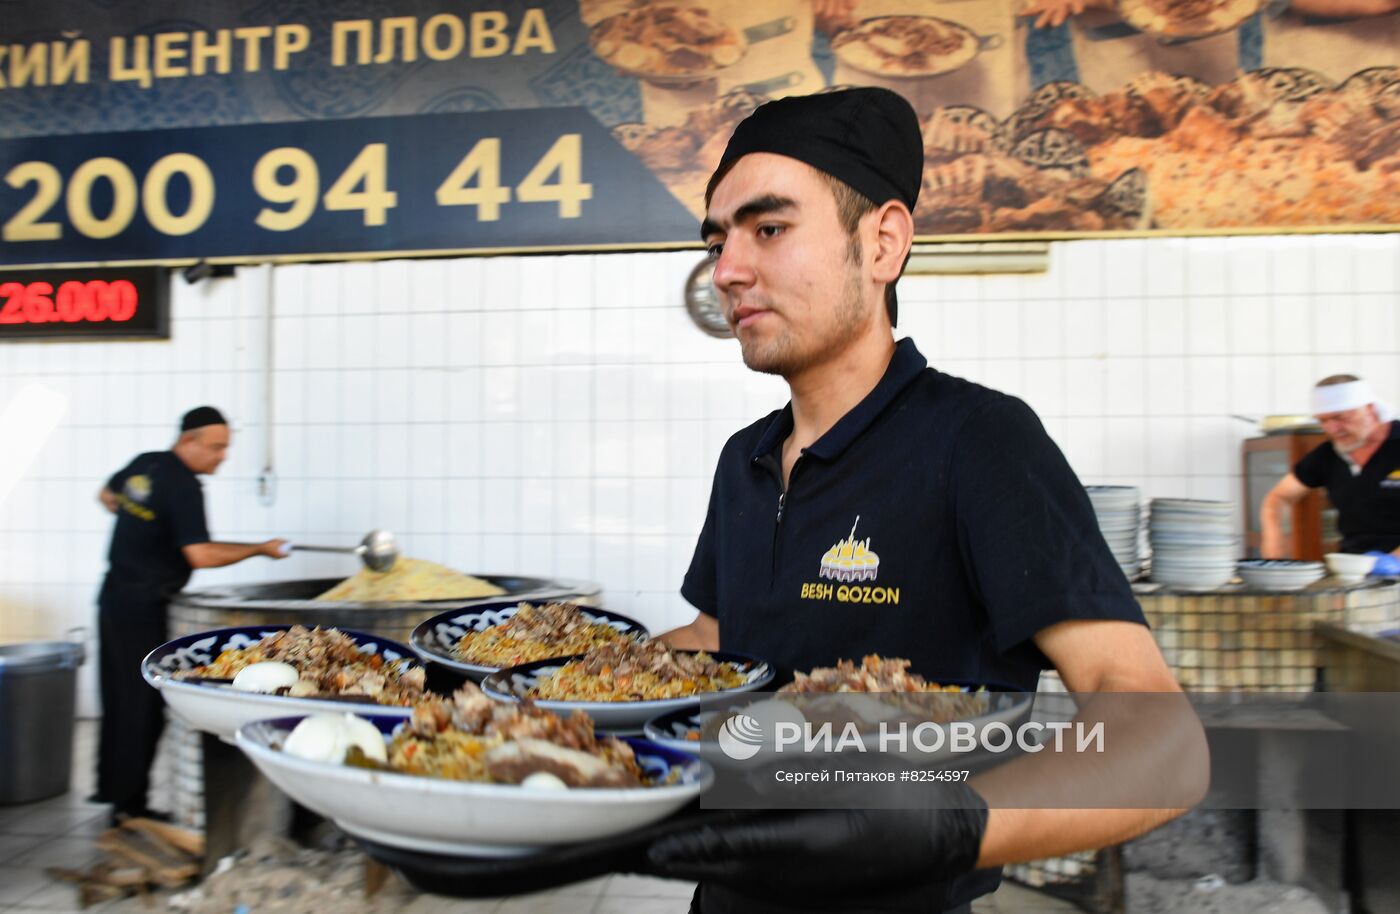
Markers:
<point>1264,461</point>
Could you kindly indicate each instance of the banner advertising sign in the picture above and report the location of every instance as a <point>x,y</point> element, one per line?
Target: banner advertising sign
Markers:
<point>155,131</point>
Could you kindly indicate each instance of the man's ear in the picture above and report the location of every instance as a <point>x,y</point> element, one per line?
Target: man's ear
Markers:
<point>894,234</point>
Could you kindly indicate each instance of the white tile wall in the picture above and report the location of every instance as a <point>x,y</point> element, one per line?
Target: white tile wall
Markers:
<point>560,415</point>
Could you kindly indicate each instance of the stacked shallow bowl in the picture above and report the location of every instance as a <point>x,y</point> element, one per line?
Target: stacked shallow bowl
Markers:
<point>1280,574</point>
<point>1119,513</point>
<point>1194,545</point>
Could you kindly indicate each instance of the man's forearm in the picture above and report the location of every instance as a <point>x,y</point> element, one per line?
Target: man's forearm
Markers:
<point>1271,544</point>
<point>1153,766</point>
<point>217,555</point>
<point>700,635</point>
<point>1019,835</point>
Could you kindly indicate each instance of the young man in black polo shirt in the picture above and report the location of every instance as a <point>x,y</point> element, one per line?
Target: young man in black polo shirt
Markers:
<point>887,509</point>
<point>159,537</point>
<point>1358,464</point>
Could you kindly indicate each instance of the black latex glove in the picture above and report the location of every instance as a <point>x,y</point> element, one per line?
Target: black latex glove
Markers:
<point>831,851</point>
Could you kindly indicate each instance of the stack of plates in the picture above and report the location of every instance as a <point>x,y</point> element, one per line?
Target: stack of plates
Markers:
<point>1120,519</point>
<point>1280,574</point>
<point>1193,543</point>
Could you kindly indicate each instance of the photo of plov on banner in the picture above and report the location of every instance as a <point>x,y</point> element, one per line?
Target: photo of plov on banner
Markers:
<point>311,130</point>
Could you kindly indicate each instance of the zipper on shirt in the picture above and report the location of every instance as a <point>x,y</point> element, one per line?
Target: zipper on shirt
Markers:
<point>777,539</point>
<point>777,536</point>
<point>770,463</point>
<point>778,520</point>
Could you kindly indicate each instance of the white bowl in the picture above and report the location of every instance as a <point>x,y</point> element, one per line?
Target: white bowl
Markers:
<point>1266,574</point>
<point>1348,568</point>
<point>1115,496</point>
<point>219,709</point>
<point>1226,559</point>
<point>1191,506</point>
<point>464,818</point>
<point>1193,578</point>
<point>1212,527</point>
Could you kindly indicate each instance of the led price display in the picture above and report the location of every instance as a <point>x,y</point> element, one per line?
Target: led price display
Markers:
<point>79,303</point>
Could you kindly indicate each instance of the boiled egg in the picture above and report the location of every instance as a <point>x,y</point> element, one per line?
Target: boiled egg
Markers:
<point>544,781</point>
<point>266,677</point>
<point>327,737</point>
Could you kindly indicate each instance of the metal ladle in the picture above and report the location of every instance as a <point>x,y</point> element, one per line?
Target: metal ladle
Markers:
<point>378,550</point>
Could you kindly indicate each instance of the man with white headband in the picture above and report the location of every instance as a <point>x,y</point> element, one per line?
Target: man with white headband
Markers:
<point>1359,465</point>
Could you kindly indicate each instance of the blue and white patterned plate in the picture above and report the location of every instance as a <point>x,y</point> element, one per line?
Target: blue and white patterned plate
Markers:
<point>436,639</point>
<point>677,729</point>
<point>464,818</point>
<point>220,710</point>
<point>513,684</point>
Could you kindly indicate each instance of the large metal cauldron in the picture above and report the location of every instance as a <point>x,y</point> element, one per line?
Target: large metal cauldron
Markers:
<point>292,602</point>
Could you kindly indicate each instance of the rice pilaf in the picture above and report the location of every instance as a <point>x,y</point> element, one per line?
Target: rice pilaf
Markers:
<point>535,632</point>
<point>631,670</point>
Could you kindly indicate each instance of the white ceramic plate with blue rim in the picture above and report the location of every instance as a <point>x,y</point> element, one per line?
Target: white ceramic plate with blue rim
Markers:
<point>681,729</point>
<point>436,639</point>
<point>441,816</point>
<point>514,684</point>
<point>218,709</point>
<point>1280,574</point>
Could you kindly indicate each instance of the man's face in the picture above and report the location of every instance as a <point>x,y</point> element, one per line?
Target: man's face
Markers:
<point>783,266</point>
<point>207,448</point>
<point>1350,428</point>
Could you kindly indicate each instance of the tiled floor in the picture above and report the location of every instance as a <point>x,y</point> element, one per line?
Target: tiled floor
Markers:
<point>61,832</point>
<point>57,832</point>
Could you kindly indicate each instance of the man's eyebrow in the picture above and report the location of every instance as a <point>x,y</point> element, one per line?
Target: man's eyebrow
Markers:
<point>758,206</point>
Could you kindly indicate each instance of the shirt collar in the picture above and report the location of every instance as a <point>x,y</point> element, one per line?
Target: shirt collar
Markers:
<point>904,367</point>
<point>1351,463</point>
<point>175,458</point>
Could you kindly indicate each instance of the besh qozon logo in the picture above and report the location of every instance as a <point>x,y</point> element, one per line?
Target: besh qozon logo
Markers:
<point>741,737</point>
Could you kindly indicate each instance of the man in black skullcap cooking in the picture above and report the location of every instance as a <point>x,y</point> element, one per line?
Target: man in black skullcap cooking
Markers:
<point>160,536</point>
<point>888,509</point>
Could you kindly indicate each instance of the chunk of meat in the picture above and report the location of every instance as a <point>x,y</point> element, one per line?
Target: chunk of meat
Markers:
<point>514,761</point>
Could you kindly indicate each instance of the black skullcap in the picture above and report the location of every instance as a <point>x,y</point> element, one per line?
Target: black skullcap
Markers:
<point>867,138</point>
<point>201,416</point>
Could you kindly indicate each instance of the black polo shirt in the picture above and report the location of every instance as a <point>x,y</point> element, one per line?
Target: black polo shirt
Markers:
<point>160,509</point>
<point>1367,503</point>
<point>935,521</point>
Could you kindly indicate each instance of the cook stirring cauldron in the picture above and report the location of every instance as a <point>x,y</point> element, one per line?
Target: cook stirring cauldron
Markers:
<point>159,538</point>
